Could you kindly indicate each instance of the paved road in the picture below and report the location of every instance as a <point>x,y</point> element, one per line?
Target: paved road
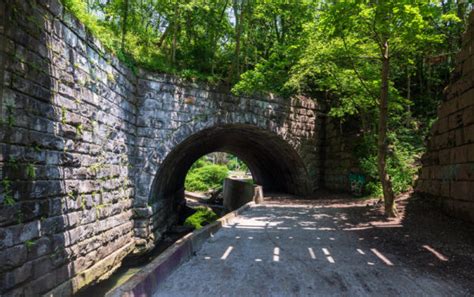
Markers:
<point>299,250</point>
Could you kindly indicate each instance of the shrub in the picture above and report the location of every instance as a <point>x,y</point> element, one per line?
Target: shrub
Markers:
<point>400,164</point>
<point>209,176</point>
<point>203,216</point>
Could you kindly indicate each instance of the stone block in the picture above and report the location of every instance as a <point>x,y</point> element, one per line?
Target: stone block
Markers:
<point>470,152</point>
<point>16,276</point>
<point>30,231</point>
<point>443,125</point>
<point>468,116</point>
<point>459,154</point>
<point>12,257</point>
<point>460,137</point>
<point>445,189</point>
<point>469,134</point>
<point>455,120</point>
<point>54,6</point>
<point>434,187</point>
<point>445,156</point>
<point>48,281</point>
<point>462,190</point>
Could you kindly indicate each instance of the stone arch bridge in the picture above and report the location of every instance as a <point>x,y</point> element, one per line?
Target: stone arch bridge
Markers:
<point>177,124</point>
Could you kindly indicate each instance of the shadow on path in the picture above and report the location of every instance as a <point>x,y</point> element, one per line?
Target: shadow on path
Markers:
<point>328,247</point>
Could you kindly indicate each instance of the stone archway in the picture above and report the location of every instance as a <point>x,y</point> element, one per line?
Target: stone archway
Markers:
<point>179,122</point>
<point>273,162</point>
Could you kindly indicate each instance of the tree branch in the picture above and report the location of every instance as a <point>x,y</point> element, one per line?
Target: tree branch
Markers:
<point>357,72</point>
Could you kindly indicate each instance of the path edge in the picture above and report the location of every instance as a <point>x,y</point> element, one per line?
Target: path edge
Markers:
<point>148,279</point>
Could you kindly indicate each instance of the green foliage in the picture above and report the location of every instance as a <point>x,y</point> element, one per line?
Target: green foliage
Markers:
<point>29,244</point>
<point>235,163</point>
<point>203,216</point>
<point>79,130</point>
<point>201,162</point>
<point>12,162</point>
<point>205,40</point>
<point>96,167</point>
<point>31,170</point>
<point>400,163</point>
<point>83,202</point>
<point>63,115</point>
<point>7,192</point>
<point>79,8</point>
<point>10,117</point>
<point>37,148</point>
<point>209,176</point>
<point>343,58</point>
<point>204,175</point>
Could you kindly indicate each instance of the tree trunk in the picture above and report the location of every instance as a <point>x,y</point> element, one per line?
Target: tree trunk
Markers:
<point>461,12</point>
<point>389,197</point>
<point>214,38</point>
<point>124,23</point>
<point>408,95</point>
<point>238,14</point>
<point>163,37</point>
<point>175,34</point>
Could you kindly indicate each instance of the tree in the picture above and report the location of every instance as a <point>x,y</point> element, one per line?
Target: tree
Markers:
<point>391,32</point>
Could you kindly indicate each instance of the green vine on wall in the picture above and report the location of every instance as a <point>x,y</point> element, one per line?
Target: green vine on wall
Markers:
<point>31,171</point>
<point>9,118</point>
<point>7,192</point>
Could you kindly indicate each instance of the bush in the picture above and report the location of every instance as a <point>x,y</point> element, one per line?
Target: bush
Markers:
<point>400,164</point>
<point>203,216</point>
<point>206,177</point>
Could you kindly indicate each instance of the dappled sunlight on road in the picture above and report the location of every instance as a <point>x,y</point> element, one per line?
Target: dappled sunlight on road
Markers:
<point>288,250</point>
<point>286,220</point>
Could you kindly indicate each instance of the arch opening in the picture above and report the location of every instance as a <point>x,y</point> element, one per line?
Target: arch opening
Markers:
<point>273,163</point>
<point>207,174</point>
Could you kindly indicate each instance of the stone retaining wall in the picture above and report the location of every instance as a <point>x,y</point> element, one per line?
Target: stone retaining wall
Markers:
<point>66,142</point>
<point>447,174</point>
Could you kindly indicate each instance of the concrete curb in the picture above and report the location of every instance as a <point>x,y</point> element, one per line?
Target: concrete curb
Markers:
<point>148,279</point>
